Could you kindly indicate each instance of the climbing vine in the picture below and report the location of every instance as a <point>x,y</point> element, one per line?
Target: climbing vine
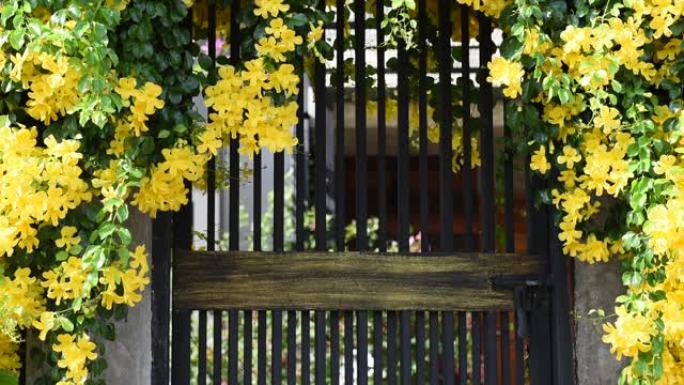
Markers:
<point>96,115</point>
<point>597,95</point>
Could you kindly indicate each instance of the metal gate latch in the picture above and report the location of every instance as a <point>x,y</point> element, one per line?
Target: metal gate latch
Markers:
<point>525,290</point>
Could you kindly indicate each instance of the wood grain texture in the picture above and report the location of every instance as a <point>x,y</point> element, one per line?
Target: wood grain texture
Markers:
<point>349,281</point>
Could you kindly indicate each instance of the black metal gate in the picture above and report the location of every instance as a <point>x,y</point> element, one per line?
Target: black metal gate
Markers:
<point>462,306</point>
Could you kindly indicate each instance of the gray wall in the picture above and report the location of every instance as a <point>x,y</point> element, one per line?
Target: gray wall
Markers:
<point>596,287</point>
<point>129,358</point>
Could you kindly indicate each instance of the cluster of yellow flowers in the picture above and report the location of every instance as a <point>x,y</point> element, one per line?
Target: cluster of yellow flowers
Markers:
<point>602,147</point>
<point>46,183</point>
<point>76,351</point>
<point>9,356</point>
<point>22,298</point>
<point>133,280</point>
<point>143,103</point>
<point>165,189</point>
<point>241,101</point>
<point>52,83</point>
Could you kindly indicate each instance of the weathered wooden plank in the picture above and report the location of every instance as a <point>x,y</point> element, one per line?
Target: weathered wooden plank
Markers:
<point>345,281</point>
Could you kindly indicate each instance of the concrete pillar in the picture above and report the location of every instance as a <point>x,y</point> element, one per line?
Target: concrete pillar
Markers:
<point>129,358</point>
<point>596,287</point>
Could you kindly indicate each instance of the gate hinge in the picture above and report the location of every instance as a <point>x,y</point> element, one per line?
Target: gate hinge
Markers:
<point>526,296</point>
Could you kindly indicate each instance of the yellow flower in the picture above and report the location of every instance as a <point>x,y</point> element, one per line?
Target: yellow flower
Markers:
<point>272,7</point>
<point>570,157</point>
<point>315,34</point>
<point>126,87</point>
<point>629,335</point>
<point>45,324</point>
<point>503,72</point>
<point>608,119</point>
<point>539,162</point>
<point>276,27</point>
<point>665,164</point>
<point>68,237</point>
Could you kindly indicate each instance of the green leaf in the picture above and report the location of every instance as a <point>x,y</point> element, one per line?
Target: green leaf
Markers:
<point>66,324</point>
<point>16,39</point>
<point>62,256</point>
<point>8,378</point>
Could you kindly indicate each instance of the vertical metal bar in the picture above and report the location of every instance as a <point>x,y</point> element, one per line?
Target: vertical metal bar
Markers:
<point>540,352</point>
<point>405,347</point>
<point>403,154</point>
<point>261,349</point>
<point>234,212</point>
<point>476,335</point>
<point>300,236</point>
<point>306,348</point>
<point>378,335</point>
<point>381,164</point>
<point>247,373</point>
<point>218,339</point>
<point>434,348</point>
<point>468,201</point>
<point>276,347</point>
<point>340,206</point>
<point>403,202</point>
<point>180,322</point>
<point>278,247</point>
<point>320,196</point>
<point>161,298</point>
<point>445,134</point>
<point>445,172</point>
<point>561,338</point>
<point>335,347</point>
<point>462,348</point>
<point>234,184</point>
<point>211,209</point>
<point>300,167</point>
<point>382,129</point>
<point>233,346</point>
<point>291,347</point>
<point>361,156</point>
<point>362,347</point>
<point>348,347</point>
<point>505,350</point>
<point>361,177</point>
<point>392,348</point>
<point>202,349</point>
<point>467,171</point>
<point>422,129</point>
<point>487,214</point>
<point>321,145</point>
<point>320,347</point>
<point>420,348</point>
<point>519,358</point>
<point>509,222</point>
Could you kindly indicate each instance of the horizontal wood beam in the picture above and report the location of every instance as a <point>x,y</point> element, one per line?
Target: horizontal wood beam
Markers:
<point>345,281</point>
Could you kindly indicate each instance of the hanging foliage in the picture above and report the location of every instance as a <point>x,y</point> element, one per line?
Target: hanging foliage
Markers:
<point>96,114</point>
